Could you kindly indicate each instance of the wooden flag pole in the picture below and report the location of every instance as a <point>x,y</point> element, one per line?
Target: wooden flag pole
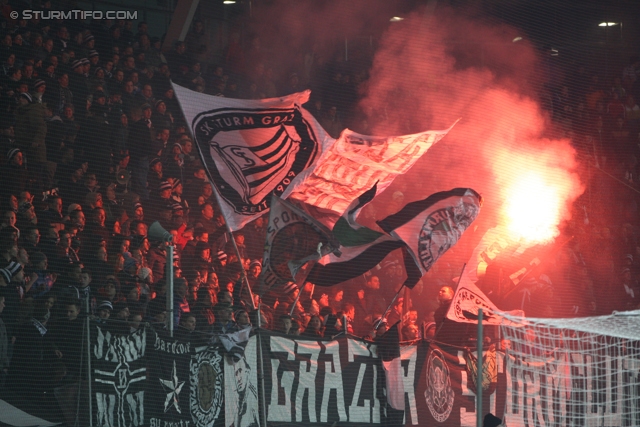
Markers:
<point>464,266</point>
<point>395,297</point>
<point>313,288</point>
<point>245,279</point>
<point>293,306</point>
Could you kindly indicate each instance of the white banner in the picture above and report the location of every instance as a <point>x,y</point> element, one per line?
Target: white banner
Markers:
<point>356,162</point>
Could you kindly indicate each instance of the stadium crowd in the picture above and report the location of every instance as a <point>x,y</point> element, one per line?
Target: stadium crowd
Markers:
<point>97,150</point>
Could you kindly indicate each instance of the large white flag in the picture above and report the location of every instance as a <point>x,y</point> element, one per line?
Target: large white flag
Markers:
<point>356,162</point>
<point>253,148</point>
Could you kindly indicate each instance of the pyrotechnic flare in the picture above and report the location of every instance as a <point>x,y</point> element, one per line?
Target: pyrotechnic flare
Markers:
<point>533,208</point>
<point>538,187</point>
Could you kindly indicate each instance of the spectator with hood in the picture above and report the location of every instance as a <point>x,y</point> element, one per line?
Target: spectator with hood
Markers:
<point>15,175</point>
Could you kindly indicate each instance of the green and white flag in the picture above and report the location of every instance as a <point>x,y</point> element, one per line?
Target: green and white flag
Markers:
<point>360,249</point>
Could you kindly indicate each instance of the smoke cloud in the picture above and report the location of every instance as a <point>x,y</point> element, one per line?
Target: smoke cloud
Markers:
<point>435,67</point>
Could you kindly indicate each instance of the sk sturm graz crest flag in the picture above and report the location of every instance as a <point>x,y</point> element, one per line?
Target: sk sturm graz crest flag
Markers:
<point>253,148</point>
<point>431,226</point>
<point>291,235</point>
<point>356,162</point>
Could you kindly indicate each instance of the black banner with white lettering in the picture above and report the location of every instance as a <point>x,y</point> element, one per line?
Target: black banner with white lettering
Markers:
<point>342,381</point>
<point>167,392</point>
<point>148,379</point>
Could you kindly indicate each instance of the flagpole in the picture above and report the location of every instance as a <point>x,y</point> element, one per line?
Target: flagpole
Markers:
<point>235,247</point>
<point>263,407</point>
<point>506,401</point>
<point>169,292</point>
<point>226,222</point>
<point>293,306</point>
<point>313,288</point>
<point>405,307</point>
<point>395,297</point>
<point>464,266</point>
<point>88,342</point>
<point>245,279</point>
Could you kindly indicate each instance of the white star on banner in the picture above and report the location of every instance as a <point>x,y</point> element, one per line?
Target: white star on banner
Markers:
<point>174,387</point>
